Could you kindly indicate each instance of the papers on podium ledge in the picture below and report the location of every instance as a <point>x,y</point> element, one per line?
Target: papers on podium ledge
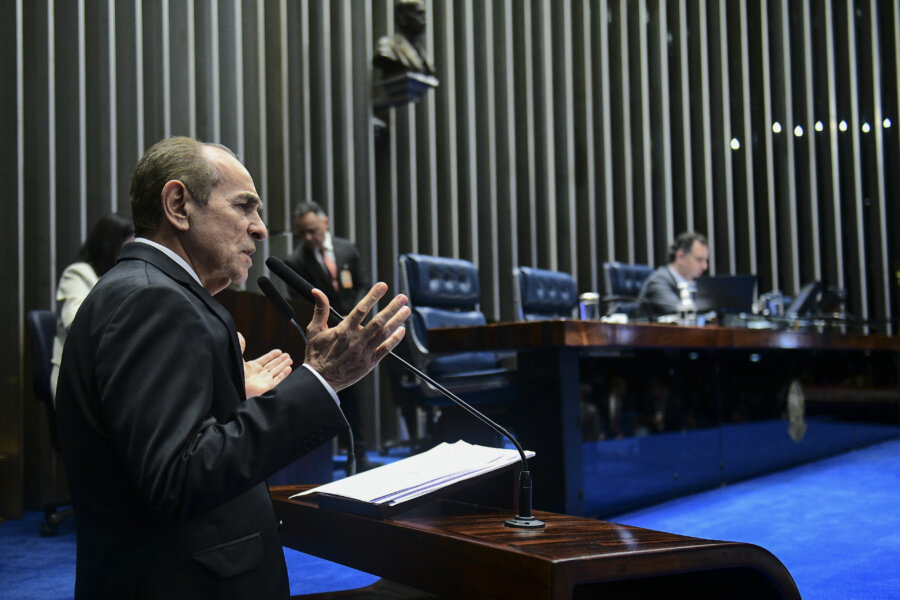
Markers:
<point>372,492</point>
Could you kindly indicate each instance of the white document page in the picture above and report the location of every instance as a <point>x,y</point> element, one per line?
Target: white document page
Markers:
<point>417,475</point>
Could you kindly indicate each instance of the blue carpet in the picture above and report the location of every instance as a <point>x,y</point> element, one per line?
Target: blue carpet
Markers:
<point>36,568</point>
<point>627,474</point>
<point>834,523</point>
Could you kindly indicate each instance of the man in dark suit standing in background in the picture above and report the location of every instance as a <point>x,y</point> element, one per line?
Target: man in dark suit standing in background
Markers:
<point>333,265</point>
<point>165,455</point>
<point>688,259</point>
<point>330,263</point>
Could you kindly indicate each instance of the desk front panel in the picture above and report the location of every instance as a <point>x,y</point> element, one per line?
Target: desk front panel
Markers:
<point>654,412</point>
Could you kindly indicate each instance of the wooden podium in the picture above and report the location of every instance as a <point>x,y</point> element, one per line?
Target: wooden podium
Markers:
<point>453,549</point>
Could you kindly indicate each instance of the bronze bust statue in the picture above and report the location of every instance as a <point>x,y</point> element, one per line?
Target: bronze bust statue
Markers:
<point>405,50</point>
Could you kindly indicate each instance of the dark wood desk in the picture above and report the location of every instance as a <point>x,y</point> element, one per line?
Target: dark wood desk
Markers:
<point>464,551</point>
<point>549,370</point>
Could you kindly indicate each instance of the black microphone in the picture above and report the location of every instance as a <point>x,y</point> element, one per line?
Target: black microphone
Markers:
<point>297,283</point>
<point>525,518</point>
<point>284,309</point>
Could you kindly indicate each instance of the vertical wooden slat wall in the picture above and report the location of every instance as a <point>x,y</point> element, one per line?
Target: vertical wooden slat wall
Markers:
<point>563,134</point>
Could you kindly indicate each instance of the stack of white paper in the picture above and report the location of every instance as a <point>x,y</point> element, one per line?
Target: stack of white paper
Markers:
<point>417,475</point>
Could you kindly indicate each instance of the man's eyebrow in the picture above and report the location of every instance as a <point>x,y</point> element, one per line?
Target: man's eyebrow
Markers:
<point>251,198</point>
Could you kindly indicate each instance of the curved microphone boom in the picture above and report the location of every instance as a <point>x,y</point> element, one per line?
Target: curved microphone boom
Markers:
<point>284,309</point>
<point>524,518</point>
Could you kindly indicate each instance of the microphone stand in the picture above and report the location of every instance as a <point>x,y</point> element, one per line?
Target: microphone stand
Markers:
<point>525,517</point>
<point>284,309</point>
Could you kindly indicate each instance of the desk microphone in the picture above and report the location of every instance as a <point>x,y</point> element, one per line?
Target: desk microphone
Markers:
<point>525,518</point>
<point>284,309</point>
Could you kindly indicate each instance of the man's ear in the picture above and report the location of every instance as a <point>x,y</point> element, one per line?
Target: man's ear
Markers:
<point>175,198</point>
<point>325,222</point>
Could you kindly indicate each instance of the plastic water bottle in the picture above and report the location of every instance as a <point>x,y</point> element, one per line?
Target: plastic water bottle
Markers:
<point>687,311</point>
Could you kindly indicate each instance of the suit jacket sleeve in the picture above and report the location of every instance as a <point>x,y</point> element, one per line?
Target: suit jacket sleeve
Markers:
<point>176,417</point>
<point>659,290</point>
<point>74,285</point>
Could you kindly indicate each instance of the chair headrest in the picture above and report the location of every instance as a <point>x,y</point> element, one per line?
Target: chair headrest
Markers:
<point>438,281</point>
<point>549,292</point>
<point>624,279</point>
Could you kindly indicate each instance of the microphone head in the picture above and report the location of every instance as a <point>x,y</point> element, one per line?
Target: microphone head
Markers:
<point>291,278</point>
<point>281,305</point>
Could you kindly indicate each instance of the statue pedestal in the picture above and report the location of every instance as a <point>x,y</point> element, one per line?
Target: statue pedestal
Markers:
<point>402,89</point>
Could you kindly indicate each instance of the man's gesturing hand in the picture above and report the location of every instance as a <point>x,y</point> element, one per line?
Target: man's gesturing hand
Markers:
<point>343,354</point>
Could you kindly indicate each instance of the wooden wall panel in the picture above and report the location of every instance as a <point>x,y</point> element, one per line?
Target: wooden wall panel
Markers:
<point>563,134</point>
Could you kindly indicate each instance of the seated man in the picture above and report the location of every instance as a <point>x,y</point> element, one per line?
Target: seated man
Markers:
<point>688,259</point>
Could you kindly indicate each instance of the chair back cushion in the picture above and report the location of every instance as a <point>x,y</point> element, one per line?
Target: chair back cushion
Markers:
<point>546,294</point>
<point>41,325</point>
<point>625,280</point>
<point>444,292</point>
<point>425,317</point>
<point>441,282</point>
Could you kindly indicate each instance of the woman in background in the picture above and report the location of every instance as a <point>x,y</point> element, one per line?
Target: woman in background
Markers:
<point>97,256</point>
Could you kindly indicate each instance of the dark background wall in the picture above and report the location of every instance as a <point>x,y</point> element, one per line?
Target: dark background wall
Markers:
<point>563,134</point>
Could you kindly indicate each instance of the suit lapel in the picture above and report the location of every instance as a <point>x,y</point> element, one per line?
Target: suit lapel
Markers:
<point>147,253</point>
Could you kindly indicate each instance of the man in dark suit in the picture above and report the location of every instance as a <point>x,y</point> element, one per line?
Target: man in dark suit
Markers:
<point>331,263</point>
<point>334,265</point>
<point>166,457</point>
<point>688,259</point>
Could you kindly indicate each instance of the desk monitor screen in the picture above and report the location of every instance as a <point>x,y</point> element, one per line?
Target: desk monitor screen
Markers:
<point>728,293</point>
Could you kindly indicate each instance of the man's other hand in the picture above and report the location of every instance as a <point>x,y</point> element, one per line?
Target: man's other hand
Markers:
<point>267,371</point>
<point>343,354</point>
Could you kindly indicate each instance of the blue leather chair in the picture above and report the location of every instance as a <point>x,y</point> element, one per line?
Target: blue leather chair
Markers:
<point>444,292</point>
<point>41,327</point>
<point>623,284</point>
<point>540,294</point>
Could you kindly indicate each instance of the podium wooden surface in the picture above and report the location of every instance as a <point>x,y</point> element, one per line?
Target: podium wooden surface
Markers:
<point>549,377</point>
<point>459,550</point>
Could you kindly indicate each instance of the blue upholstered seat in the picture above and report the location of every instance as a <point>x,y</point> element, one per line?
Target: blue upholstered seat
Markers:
<point>445,292</point>
<point>542,294</point>
<point>623,284</point>
<point>41,327</point>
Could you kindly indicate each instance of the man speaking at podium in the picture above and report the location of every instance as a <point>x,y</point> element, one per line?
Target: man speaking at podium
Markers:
<point>166,458</point>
